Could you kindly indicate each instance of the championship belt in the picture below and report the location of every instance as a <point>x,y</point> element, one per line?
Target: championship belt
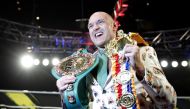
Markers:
<point>79,64</point>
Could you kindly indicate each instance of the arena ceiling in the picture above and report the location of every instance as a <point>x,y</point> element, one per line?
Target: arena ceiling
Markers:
<point>141,15</point>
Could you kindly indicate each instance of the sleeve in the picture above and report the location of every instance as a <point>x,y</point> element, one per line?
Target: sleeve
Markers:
<point>155,82</point>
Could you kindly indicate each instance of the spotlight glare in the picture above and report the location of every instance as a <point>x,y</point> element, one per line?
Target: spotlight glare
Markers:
<point>184,63</point>
<point>37,18</point>
<point>55,61</point>
<point>164,63</point>
<point>27,61</point>
<point>36,62</point>
<point>45,62</point>
<point>174,63</point>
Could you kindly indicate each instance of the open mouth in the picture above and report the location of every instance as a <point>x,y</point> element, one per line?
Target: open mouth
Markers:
<point>98,34</point>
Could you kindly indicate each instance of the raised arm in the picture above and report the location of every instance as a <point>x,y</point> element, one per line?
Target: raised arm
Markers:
<point>155,82</point>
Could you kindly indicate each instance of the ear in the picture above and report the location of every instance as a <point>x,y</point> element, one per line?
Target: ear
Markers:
<point>115,26</point>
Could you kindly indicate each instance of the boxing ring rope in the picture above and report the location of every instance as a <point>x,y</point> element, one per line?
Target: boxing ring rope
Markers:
<point>183,97</point>
<point>49,93</point>
<point>24,107</point>
<point>30,92</point>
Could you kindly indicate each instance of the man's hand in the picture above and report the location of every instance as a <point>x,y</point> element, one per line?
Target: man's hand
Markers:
<point>132,54</point>
<point>64,81</point>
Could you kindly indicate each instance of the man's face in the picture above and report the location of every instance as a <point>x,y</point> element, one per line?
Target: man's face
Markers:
<point>101,29</point>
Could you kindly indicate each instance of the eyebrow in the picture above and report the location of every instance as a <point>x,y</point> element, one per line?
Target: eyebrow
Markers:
<point>97,21</point>
<point>89,25</point>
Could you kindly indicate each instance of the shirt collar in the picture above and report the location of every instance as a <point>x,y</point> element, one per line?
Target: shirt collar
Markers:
<point>101,50</point>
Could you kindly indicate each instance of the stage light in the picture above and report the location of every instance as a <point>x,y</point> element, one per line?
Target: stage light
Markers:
<point>164,63</point>
<point>18,2</point>
<point>63,42</point>
<point>184,63</point>
<point>27,61</point>
<point>37,18</point>
<point>19,9</point>
<point>174,63</point>
<point>30,48</point>
<point>55,61</point>
<point>45,62</point>
<point>147,4</point>
<point>56,42</point>
<point>36,62</point>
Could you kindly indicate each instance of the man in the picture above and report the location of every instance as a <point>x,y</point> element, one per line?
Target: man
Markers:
<point>152,89</point>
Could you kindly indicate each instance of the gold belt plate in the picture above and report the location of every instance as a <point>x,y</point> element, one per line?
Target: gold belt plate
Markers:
<point>76,64</point>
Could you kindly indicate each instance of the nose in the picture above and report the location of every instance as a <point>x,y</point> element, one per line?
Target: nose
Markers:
<point>96,27</point>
